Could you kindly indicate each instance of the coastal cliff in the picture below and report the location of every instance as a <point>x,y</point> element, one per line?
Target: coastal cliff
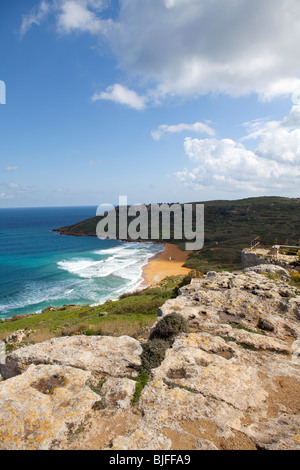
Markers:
<point>228,379</point>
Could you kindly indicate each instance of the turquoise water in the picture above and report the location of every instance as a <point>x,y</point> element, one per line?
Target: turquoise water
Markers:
<point>39,267</point>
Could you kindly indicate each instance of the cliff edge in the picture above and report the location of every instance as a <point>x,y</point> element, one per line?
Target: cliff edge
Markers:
<point>232,381</point>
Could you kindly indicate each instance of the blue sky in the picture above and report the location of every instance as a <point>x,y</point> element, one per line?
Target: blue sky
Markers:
<point>159,100</point>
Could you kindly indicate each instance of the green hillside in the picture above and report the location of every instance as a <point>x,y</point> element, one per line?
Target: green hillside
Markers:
<point>229,227</point>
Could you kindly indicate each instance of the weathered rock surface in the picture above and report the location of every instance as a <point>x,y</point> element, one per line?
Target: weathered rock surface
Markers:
<point>103,355</point>
<point>18,336</point>
<point>270,269</point>
<point>262,256</point>
<point>232,382</point>
<point>42,406</point>
<point>239,301</point>
<point>118,392</point>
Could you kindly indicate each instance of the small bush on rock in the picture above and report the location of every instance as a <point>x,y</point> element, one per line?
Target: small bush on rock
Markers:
<point>153,353</point>
<point>169,326</point>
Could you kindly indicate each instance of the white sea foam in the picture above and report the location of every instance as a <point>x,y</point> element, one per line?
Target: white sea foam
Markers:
<point>38,292</point>
<point>124,261</point>
<point>109,251</point>
<point>94,278</point>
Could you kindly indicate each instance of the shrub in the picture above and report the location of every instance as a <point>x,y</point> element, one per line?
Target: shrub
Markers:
<point>75,330</point>
<point>169,326</point>
<point>89,332</point>
<point>153,353</point>
<point>141,306</point>
<point>295,278</point>
<point>193,274</point>
<point>130,294</point>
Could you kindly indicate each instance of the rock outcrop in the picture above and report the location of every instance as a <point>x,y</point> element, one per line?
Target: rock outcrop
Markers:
<point>264,256</point>
<point>102,355</point>
<point>18,336</point>
<point>270,269</point>
<point>231,382</point>
<point>43,405</point>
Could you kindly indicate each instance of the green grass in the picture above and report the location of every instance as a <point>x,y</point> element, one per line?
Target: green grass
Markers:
<point>141,381</point>
<point>132,315</point>
<point>242,327</point>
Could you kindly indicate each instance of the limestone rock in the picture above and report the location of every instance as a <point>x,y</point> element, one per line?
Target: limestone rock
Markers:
<point>42,406</point>
<point>231,383</point>
<point>210,392</point>
<point>269,268</point>
<point>211,274</point>
<point>282,433</point>
<point>18,336</point>
<point>240,301</point>
<point>141,439</point>
<point>103,355</point>
<point>118,392</point>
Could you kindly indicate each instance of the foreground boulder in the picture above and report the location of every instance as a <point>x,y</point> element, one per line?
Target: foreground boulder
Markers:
<point>42,406</point>
<point>103,355</point>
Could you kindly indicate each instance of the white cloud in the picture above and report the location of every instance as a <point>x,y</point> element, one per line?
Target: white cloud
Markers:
<point>228,165</point>
<point>197,127</point>
<point>278,140</point>
<point>283,87</point>
<point>121,94</point>
<point>61,190</point>
<point>199,46</point>
<point>192,47</point>
<point>70,16</point>
<point>75,15</point>
<point>281,145</point>
<point>6,196</point>
<point>36,16</point>
<point>12,168</point>
<point>13,190</point>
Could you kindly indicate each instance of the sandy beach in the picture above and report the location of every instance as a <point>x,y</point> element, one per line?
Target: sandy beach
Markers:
<point>161,266</point>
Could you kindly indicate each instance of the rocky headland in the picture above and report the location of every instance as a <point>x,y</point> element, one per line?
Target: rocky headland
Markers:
<point>229,380</point>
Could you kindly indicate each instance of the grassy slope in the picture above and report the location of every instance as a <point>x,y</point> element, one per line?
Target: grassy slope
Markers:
<point>131,315</point>
<point>229,227</point>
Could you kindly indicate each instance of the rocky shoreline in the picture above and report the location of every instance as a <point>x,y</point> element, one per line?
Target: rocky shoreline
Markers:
<point>231,382</point>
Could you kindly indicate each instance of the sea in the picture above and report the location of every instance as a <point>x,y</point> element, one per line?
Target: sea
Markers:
<point>39,267</point>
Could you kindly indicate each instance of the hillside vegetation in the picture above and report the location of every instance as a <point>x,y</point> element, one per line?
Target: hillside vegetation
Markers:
<point>229,227</point>
<point>133,314</point>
